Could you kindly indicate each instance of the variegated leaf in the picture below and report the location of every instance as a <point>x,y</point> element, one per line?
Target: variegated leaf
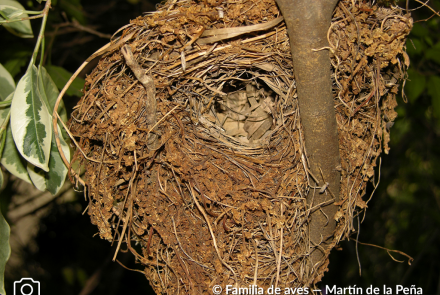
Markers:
<point>49,90</point>
<point>5,250</point>
<point>58,171</point>
<point>37,176</point>
<point>12,160</point>
<point>31,122</point>
<point>4,110</point>
<point>10,157</point>
<point>54,179</point>
<point>7,84</point>
<point>14,10</point>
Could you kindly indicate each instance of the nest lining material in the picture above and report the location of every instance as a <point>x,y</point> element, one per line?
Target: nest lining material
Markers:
<point>206,182</point>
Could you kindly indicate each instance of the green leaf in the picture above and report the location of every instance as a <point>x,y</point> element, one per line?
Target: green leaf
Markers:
<point>4,111</point>
<point>14,10</point>
<point>1,181</point>
<point>12,160</point>
<point>31,121</point>
<point>61,76</point>
<point>54,179</point>
<point>5,250</point>
<point>434,92</point>
<point>7,84</point>
<point>415,85</point>
<point>49,89</point>
<point>14,65</point>
<point>16,61</point>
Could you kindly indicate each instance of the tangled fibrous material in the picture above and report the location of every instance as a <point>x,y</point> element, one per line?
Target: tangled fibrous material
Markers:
<point>190,137</point>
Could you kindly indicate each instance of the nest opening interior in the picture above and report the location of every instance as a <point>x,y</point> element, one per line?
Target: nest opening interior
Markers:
<point>244,112</point>
<point>193,150</point>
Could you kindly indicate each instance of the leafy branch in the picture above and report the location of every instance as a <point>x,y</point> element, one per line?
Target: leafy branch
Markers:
<point>28,148</point>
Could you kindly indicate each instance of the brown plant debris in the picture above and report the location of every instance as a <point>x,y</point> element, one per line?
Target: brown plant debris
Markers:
<point>207,185</point>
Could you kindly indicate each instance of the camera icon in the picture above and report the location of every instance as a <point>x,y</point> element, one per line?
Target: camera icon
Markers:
<point>26,286</point>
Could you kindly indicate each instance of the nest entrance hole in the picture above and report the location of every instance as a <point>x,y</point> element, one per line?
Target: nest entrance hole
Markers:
<point>246,110</point>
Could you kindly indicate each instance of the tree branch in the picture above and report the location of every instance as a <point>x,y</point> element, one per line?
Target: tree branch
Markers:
<point>307,24</point>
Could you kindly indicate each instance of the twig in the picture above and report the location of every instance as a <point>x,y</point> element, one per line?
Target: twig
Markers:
<point>197,36</point>
<point>157,123</point>
<point>22,19</point>
<point>148,83</point>
<point>256,262</point>
<point>77,25</point>
<point>129,213</point>
<point>41,34</point>
<point>281,250</point>
<point>362,104</point>
<point>410,259</point>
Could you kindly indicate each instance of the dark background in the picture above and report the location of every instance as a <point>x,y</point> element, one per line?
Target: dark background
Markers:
<point>404,213</point>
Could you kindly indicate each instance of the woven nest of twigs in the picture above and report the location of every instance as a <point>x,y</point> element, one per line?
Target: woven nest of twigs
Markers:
<point>189,133</point>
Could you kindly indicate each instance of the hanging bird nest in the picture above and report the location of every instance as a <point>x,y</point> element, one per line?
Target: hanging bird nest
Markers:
<point>190,137</point>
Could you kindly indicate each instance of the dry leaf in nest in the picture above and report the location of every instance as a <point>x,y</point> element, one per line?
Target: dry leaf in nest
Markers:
<point>193,150</point>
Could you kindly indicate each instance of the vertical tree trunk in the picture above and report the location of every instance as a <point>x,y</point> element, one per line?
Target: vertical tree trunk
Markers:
<point>307,24</point>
